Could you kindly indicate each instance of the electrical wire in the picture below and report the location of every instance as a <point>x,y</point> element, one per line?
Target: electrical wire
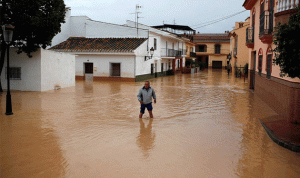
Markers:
<point>217,20</point>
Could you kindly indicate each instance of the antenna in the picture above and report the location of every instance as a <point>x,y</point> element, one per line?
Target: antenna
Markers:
<point>136,20</point>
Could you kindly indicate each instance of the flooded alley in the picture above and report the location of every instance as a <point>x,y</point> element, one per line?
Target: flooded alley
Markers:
<point>205,125</point>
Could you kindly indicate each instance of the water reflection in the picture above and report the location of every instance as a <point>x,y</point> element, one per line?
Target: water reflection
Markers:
<point>29,147</point>
<point>146,138</point>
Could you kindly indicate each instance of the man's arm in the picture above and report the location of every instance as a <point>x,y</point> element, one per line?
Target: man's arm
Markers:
<point>154,95</point>
<point>139,96</point>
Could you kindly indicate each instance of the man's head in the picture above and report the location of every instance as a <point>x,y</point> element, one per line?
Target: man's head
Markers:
<point>147,84</point>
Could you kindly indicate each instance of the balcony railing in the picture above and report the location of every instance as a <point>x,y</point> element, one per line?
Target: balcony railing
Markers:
<point>171,52</point>
<point>193,54</point>
<point>250,35</point>
<point>284,5</point>
<point>266,23</point>
<point>235,52</point>
<point>202,50</point>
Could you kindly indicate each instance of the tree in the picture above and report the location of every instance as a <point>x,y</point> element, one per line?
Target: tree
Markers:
<point>36,23</point>
<point>287,40</point>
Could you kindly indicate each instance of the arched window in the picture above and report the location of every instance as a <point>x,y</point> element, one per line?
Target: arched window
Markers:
<point>260,61</point>
<point>269,55</point>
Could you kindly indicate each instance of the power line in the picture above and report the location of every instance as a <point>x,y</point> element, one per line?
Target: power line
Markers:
<point>218,20</point>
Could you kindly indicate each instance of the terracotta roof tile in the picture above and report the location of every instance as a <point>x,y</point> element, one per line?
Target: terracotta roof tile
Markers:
<point>81,44</point>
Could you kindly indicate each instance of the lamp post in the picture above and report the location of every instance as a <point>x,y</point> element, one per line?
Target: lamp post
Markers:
<point>151,54</point>
<point>7,35</point>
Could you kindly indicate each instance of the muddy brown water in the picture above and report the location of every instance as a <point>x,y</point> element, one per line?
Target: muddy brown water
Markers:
<point>205,125</point>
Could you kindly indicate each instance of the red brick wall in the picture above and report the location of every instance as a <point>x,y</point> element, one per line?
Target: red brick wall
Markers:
<point>283,17</point>
<point>282,96</point>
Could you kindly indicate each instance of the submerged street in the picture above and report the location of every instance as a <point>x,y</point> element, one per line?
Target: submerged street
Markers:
<point>205,125</point>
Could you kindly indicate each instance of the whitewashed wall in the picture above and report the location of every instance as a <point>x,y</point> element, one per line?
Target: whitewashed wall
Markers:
<point>58,69</point>
<point>41,72</point>
<point>65,30</point>
<point>143,67</point>
<point>82,26</point>
<point>101,64</point>
<point>30,71</point>
<point>95,29</point>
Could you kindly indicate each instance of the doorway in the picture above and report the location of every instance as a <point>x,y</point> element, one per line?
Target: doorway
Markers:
<point>115,69</point>
<point>252,71</point>
<point>88,71</point>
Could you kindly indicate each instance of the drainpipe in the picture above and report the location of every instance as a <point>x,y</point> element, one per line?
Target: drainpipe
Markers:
<point>148,41</point>
<point>135,68</point>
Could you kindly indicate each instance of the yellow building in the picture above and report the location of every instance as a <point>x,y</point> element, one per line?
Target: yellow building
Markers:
<point>212,49</point>
<point>238,49</point>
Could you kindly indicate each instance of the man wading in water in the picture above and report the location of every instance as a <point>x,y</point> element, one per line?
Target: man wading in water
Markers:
<point>145,98</point>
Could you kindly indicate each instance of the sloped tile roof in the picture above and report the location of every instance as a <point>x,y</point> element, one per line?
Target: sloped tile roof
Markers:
<point>81,44</point>
<point>211,37</point>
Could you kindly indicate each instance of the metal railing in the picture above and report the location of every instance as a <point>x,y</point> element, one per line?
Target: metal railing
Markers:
<point>171,52</point>
<point>193,54</point>
<point>202,50</point>
<point>266,23</point>
<point>235,51</point>
<point>250,35</point>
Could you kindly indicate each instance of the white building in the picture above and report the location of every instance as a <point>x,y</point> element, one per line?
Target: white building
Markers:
<point>45,70</point>
<point>101,60</point>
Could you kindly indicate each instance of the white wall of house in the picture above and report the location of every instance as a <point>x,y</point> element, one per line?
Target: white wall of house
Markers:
<point>141,66</point>
<point>65,30</point>
<point>95,29</point>
<point>83,26</point>
<point>102,64</point>
<point>58,69</point>
<point>30,71</point>
<point>41,72</point>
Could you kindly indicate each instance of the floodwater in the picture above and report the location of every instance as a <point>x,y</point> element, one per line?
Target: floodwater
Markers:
<point>205,125</point>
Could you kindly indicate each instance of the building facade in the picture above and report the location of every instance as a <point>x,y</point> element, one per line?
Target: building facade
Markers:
<point>212,49</point>
<point>281,93</point>
<point>133,63</point>
<point>45,70</point>
<point>238,49</point>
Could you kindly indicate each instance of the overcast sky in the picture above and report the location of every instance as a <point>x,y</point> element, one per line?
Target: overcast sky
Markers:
<point>193,13</point>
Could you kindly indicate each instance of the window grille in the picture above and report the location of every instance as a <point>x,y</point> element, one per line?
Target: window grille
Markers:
<point>14,73</point>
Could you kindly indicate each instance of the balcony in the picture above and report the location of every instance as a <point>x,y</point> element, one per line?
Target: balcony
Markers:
<point>266,27</point>
<point>235,52</point>
<point>193,54</point>
<point>285,5</point>
<point>285,8</point>
<point>250,37</point>
<point>171,52</point>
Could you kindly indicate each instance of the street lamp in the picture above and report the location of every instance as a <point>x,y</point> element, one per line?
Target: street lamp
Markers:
<point>229,56</point>
<point>7,35</point>
<point>151,53</point>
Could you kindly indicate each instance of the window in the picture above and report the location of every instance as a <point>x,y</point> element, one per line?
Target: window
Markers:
<point>115,69</point>
<point>14,73</point>
<point>202,48</point>
<point>217,49</point>
<point>162,67</point>
<point>155,44</point>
